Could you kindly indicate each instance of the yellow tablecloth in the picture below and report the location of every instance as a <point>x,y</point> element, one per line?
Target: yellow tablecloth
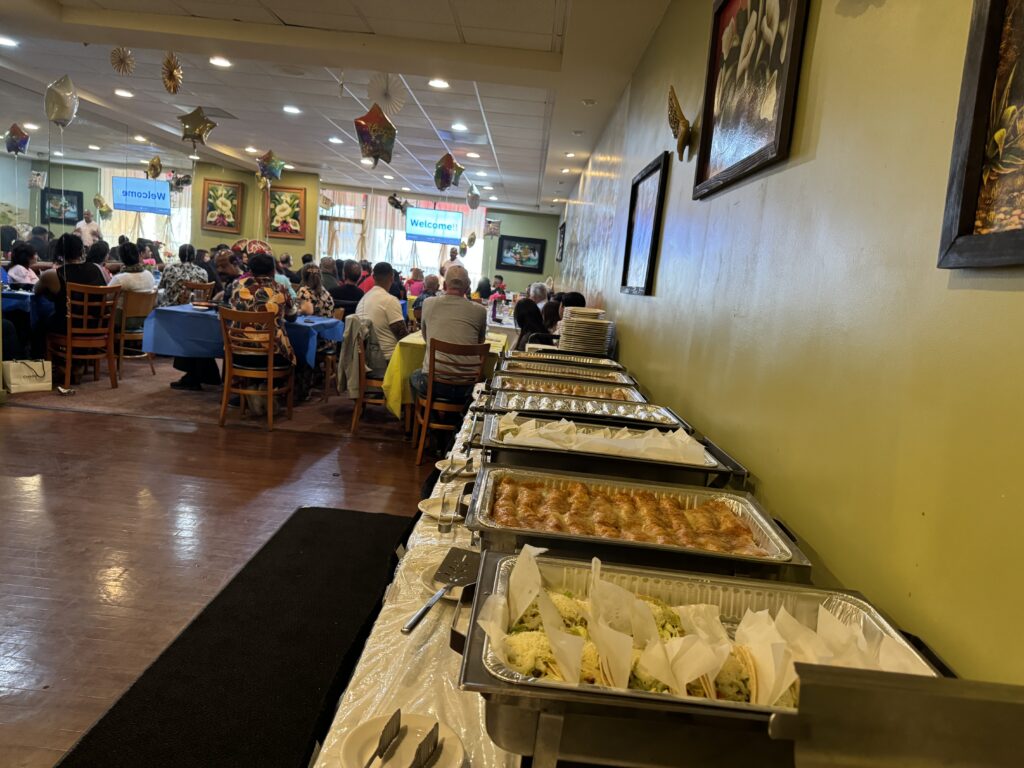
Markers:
<point>408,356</point>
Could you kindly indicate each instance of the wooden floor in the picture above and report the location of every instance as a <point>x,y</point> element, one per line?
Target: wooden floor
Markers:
<point>115,531</point>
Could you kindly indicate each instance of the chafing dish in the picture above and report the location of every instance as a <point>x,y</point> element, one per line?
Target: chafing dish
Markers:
<point>783,559</point>
<point>635,729</point>
<point>548,385</point>
<point>563,358</point>
<point>553,370</point>
<point>616,412</point>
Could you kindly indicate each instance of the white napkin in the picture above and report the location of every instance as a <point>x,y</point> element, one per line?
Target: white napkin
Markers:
<point>493,620</point>
<point>567,647</point>
<point>611,621</point>
<point>773,660</point>
<point>524,583</point>
<point>803,641</point>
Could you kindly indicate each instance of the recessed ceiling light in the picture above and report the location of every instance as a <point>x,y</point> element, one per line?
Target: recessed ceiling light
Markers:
<point>570,154</point>
<point>492,197</point>
<point>193,157</point>
<point>567,170</point>
<point>289,167</point>
<point>367,161</point>
<point>388,177</point>
<point>252,151</point>
<point>488,188</point>
<point>94,148</point>
<point>124,93</point>
<point>481,173</point>
<point>8,42</point>
<point>219,61</point>
<point>459,127</point>
<point>438,82</point>
<point>139,138</point>
<point>578,133</point>
<point>291,110</point>
<point>336,140</point>
<point>588,102</point>
<point>406,189</point>
<point>556,200</point>
<point>30,126</point>
<point>144,162</point>
<point>473,155</point>
<point>58,153</point>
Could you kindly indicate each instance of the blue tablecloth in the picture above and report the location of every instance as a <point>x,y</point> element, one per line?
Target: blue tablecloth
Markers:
<point>405,308</point>
<point>185,331</point>
<point>38,307</point>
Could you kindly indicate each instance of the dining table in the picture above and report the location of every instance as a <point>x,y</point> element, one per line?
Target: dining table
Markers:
<point>37,307</point>
<point>188,331</point>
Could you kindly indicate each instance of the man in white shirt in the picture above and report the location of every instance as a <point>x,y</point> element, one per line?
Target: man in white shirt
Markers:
<point>539,294</point>
<point>383,310</point>
<point>88,230</point>
<point>453,261</point>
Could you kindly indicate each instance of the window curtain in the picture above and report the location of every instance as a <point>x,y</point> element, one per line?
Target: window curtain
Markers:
<point>342,224</point>
<point>172,231</point>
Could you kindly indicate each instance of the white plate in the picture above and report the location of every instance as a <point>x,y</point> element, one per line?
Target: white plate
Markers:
<point>362,741</point>
<point>432,507</point>
<point>456,466</point>
<point>201,309</point>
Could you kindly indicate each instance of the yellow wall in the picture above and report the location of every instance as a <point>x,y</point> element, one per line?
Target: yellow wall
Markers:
<point>542,226</point>
<point>800,321</point>
<point>254,222</point>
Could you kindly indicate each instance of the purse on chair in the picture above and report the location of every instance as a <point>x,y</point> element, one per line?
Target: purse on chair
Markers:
<point>28,376</point>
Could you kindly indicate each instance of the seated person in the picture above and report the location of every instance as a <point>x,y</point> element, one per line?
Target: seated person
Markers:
<point>538,294</point>
<point>23,256</point>
<point>528,321</point>
<point>228,266</point>
<point>414,285</point>
<point>329,272</point>
<point>551,314</point>
<point>313,291</point>
<point>570,299</point>
<point>133,277</point>
<point>175,275</point>
<point>451,318</point>
<point>431,287</point>
<point>348,294</point>
<point>383,310</point>
<point>97,254</point>
<point>53,283</point>
<point>483,290</point>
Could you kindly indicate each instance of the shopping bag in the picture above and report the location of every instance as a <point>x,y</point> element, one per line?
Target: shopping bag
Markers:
<point>27,376</point>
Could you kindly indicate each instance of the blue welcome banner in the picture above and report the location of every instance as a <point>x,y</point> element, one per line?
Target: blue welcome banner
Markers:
<point>142,195</point>
<point>429,226</point>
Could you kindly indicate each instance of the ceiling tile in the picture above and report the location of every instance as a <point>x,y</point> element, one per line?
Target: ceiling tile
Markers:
<point>536,16</point>
<point>416,30</point>
<point>229,11</point>
<point>429,11</point>
<point>501,38</point>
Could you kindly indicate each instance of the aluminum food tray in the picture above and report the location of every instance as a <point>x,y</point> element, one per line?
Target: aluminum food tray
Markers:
<point>592,389</point>
<point>584,409</point>
<point>564,358</point>
<point>784,560</point>
<point>527,368</point>
<point>605,726</point>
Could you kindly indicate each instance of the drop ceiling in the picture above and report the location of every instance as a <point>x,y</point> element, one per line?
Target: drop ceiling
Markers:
<point>518,74</point>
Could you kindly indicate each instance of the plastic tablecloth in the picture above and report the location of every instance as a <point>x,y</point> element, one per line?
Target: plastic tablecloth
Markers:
<point>408,357</point>
<point>184,331</point>
<point>38,307</point>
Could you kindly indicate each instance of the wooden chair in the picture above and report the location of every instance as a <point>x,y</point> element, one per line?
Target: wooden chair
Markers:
<point>134,305</point>
<point>331,363</point>
<point>207,289</point>
<point>251,334</point>
<point>89,335</point>
<point>371,391</point>
<point>462,365</point>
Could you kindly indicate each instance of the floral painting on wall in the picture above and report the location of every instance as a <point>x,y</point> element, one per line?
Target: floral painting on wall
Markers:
<point>222,210</point>
<point>287,217</point>
<point>750,92</point>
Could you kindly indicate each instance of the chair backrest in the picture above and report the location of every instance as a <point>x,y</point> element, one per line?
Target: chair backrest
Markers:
<point>91,309</point>
<point>137,304</point>
<point>188,286</point>
<point>459,365</point>
<point>248,333</point>
<point>339,313</point>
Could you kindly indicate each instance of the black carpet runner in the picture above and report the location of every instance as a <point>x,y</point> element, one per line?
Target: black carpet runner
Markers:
<point>253,680</point>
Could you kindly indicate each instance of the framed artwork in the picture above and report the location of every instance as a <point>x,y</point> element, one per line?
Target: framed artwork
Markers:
<point>222,206</point>
<point>560,252</point>
<point>750,91</point>
<point>60,206</point>
<point>287,216</point>
<point>521,254</point>
<point>643,230</point>
<point>983,225</point>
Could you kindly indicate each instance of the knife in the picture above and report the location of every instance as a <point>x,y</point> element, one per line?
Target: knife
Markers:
<point>387,737</point>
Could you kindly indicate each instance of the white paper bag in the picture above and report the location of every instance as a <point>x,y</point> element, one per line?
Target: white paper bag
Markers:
<point>28,376</point>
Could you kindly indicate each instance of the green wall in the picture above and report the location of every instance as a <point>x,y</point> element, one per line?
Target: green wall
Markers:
<point>799,319</point>
<point>14,201</point>
<point>76,179</point>
<point>252,199</point>
<point>538,225</point>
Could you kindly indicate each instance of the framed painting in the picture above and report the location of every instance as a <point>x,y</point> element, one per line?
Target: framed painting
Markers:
<point>560,251</point>
<point>222,206</point>
<point>287,216</point>
<point>750,90</point>
<point>983,225</point>
<point>643,230</point>
<point>60,206</point>
<point>521,254</point>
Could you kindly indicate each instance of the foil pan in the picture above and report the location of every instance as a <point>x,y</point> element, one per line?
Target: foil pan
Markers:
<point>496,536</point>
<point>530,368</point>
<point>560,358</point>
<point>565,406</point>
<point>591,389</point>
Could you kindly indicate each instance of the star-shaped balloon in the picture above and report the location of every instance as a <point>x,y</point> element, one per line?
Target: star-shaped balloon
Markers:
<point>270,166</point>
<point>447,172</point>
<point>16,139</point>
<point>61,101</point>
<point>376,135</point>
<point>196,126</point>
<point>155,167</point>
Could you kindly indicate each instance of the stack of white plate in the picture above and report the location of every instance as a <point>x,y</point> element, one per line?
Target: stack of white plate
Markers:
<point>584,312</point>
<point>586,335</point>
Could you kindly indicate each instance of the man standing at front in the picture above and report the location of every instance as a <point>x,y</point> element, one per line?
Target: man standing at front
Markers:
<point>383,310</point>
<point>88,230</point>
<point>453,319</point>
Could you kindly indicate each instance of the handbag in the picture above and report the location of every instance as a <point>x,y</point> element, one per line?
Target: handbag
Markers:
<point>27,376</point>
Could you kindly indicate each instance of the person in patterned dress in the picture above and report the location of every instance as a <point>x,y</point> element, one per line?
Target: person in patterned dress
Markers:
<point>313,291</point>
<point>175,275</point>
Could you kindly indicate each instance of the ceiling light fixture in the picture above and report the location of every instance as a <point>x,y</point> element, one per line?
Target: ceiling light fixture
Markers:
<point>473,155</point>
<point>58,153</point>
<point>8,42</point>
<point>556,200</point>
<point>492,197</point>
<point>219,61</point>
<point>367,161</point>
<point>193,157</point>
<point>144,162</point>
<point>438,82</point>
<point>336,140</point>
<point>389,177</point>
<point>30,126</point>
<point>139,138</point>
<point>578,133</point>
<point>94,148</point>
<point>252,151</point>
<point>588,102</point>
<point>567,170</point>
<point>481,173</point>
<point>459,127</point>
<point>406,189</point>
<point>289,167</point>
<point>570,154</point>
<point>124,94</point>
<point>291,110</point>
<point>488,188</point>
